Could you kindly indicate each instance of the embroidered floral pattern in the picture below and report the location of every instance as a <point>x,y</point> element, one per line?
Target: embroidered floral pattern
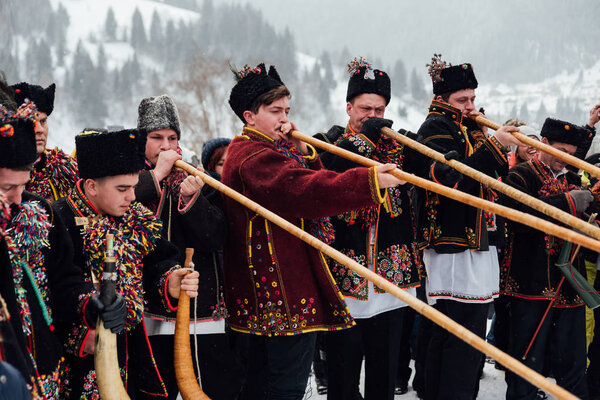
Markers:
<point>395,264</point>
<point>386,150</point>
<point>432,229</point>
<point>48,386</point>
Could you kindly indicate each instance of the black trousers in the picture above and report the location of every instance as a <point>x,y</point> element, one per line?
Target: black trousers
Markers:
<point>405,353</point>
<point>421,345</point>
<point>378,340</point>
<point>501,326</point>
<point>277,368</point>
<point>220,370</point>
<point>452,365</point>
<point>563,331</point>
<point>593,371</point>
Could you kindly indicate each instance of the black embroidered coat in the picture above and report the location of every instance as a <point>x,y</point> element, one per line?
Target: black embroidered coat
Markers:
<point>275,284</point>
<point>446,225</point>
<point>39,354</point>
<point>200,224</point>
<point>139,366</point>
<point>397,256</point>
<point>527,265</point>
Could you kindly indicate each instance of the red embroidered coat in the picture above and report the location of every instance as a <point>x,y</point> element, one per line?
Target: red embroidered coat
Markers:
<point>275,284</point>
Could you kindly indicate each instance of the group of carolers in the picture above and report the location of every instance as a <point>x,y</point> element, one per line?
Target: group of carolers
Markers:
<point>263,295</point>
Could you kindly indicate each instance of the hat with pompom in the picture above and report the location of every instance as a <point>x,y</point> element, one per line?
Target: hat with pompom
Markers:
<point>363,79</point>
<point>252,83</point>
<point>448,78</point>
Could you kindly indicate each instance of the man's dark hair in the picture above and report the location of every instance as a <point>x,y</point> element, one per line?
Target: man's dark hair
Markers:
<point>269,97</point>
<point>445,96</point>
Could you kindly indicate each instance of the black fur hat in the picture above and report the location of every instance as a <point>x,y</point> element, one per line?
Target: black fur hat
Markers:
<point>556,130</point>
<point>101,154</point>
<point>252,82</point>
<point>448,78</point>
<point>17,143</point>
<point>42,98</point>
<point>160,112</point>
<point>360,82</point>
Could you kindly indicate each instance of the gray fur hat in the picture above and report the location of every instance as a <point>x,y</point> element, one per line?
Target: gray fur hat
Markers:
<point>159,112</point>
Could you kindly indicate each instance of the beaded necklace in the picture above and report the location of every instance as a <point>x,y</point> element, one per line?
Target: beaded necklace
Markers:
<point>26,237</point>
<point>135,235</point>
<point>53,175</point>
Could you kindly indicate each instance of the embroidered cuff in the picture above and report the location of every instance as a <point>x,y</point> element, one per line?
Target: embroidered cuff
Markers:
<point>571,204</point>
<point>169,302</point>
<point>82,353</point>
<point>497,149</point>
<point>312,155</point>
<point>431,172</point>
<point>83,309</point>
<point>379,196</point>
<point>182,207</point>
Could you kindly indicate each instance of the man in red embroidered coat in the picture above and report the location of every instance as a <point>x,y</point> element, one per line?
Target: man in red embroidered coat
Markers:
<point>54,172</point>
<point>529,274</point>
<point>278,289</point>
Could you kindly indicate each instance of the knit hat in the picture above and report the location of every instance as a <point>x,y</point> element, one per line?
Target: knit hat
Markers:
<point>160,112</point>
<point>101,154</point>
<point>448,78</point>
<point>360,82</point>
<point>251,83</point>
<point>561,131</point>
<point>42,98</point>
<point>209,148</point>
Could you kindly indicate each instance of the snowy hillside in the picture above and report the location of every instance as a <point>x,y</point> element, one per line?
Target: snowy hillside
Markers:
<point>189,61</point>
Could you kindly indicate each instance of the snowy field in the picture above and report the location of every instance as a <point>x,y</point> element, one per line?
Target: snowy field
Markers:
<point>491,387</point>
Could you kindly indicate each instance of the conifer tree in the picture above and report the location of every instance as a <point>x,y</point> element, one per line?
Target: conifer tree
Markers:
<point>110,25</point>
<point>138,32</point>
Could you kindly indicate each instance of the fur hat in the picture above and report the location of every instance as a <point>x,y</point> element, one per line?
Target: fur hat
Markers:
<point>159,112</point>
<point>448,78</point>
<point>17,136</point>
<point>17,143</point>
<point>101,154</point>
<point>556,130</point>
<point>360,82</point>
<point>251,83</point>
<point>209,148</point>
<point>42,98</point>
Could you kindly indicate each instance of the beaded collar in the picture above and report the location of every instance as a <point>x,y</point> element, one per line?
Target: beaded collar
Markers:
<point>135,236</point>
<point>441,107</point>
<point>53,175</point>
<point>26,238</point>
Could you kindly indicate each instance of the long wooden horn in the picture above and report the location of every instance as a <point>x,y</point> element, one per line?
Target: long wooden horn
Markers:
<point>442,320</point>
<point>569,159</point>
<point>106,359</point>
<point>184,367</point>
<point>508,190</point>
<point>514,215</point>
